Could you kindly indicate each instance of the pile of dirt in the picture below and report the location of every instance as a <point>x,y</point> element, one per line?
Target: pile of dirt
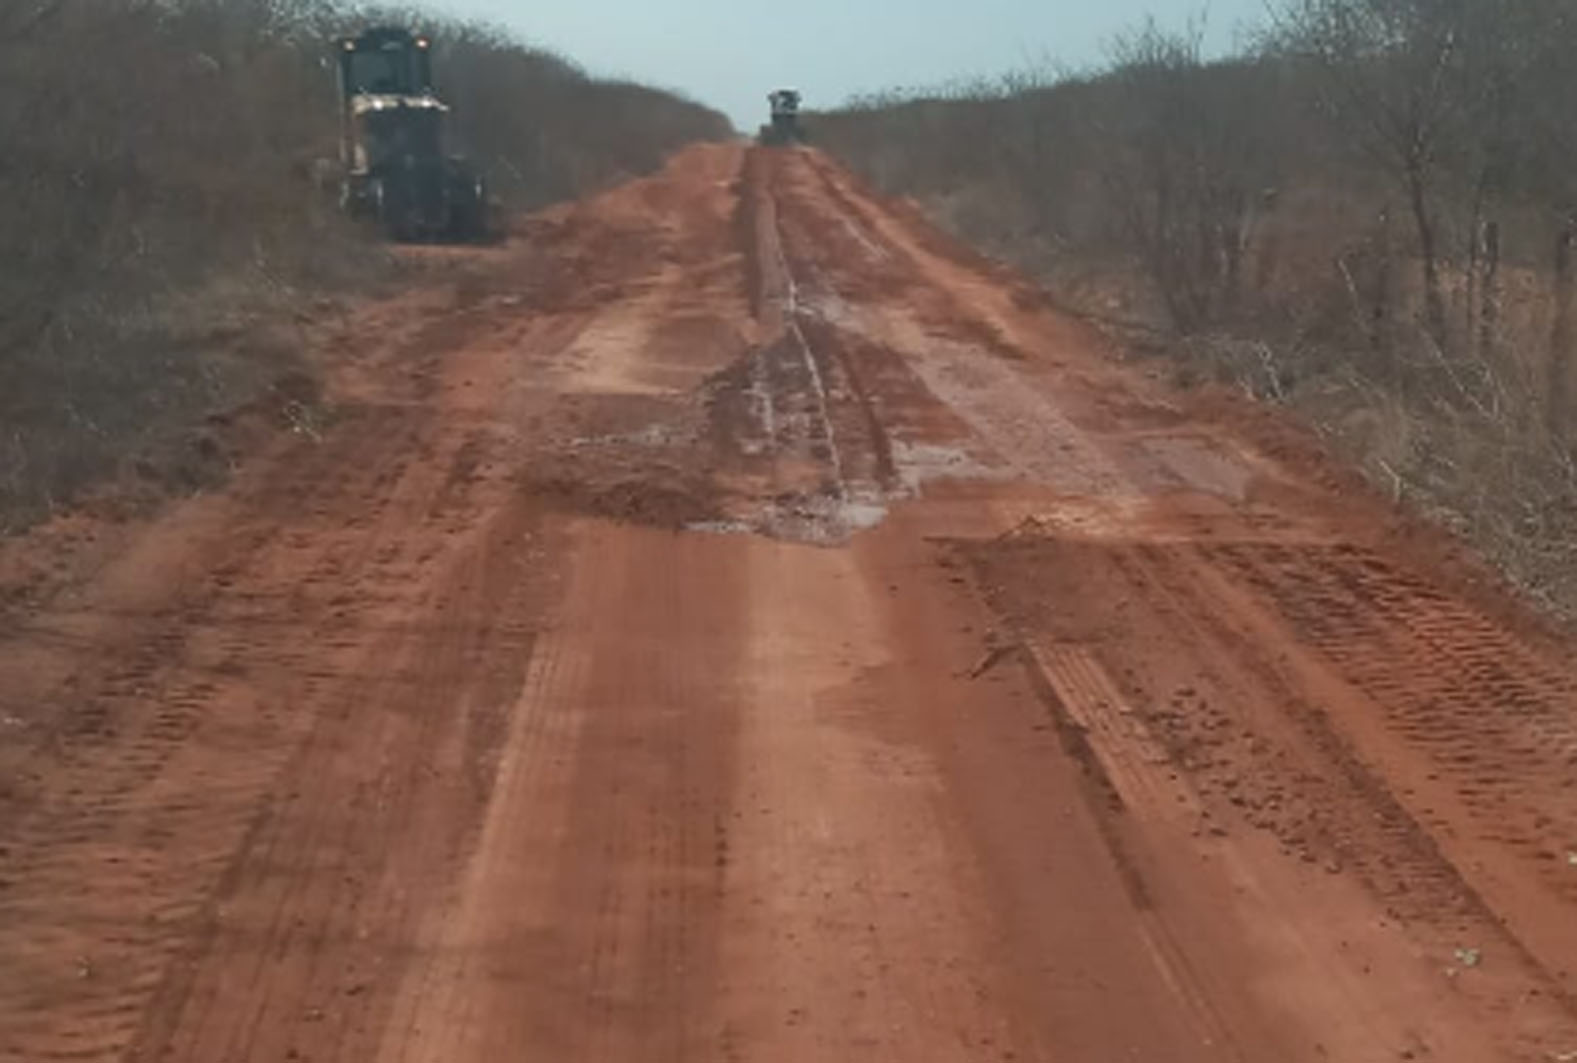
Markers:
<point>672,503</point>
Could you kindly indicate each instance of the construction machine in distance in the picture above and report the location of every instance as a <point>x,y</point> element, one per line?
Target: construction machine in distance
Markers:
<point>395,169</point>
<point>785,127</point>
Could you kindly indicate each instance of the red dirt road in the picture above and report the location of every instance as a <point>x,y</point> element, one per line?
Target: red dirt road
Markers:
<point>735,625</point>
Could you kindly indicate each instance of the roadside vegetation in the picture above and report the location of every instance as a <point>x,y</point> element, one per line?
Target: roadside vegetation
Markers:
<point>1368,215</point>
<point>163,217</point>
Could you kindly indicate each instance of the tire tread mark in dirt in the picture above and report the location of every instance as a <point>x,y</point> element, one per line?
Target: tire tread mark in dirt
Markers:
<point>1058,681</point>
<point>649,723</point>
<point>185,1000</point>
<point>792,312</point>
<point>1115,743</point>
<point>160,692</point>
<point>827,338</point>
<point>899,276</point>
<point>338,875</point>
<point>1435,668</point>
<point>433,1017</point>
<point>1494,721</point>
<point>854,218</point>
<point>1402,861</point>
<point>243,621</point>
<point>1025,427</point>
<point>1312,771</point>
<point>588,932</point>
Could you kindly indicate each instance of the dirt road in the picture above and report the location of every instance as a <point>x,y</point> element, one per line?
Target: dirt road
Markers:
<point>734,624</point>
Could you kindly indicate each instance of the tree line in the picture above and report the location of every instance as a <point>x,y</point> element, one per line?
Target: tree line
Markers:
<point>158,174</point>
<point>1367,210</point>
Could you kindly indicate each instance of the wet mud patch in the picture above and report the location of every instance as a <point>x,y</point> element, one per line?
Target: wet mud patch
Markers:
<point>741,421</point>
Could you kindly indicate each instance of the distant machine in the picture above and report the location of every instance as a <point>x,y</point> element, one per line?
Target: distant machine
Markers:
<point>785,127</point>
<point>395,170</point>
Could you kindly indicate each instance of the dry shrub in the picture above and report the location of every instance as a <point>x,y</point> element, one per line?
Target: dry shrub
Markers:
<point>151,150</point>
<point>158,206</point>
<point>1268,221</point>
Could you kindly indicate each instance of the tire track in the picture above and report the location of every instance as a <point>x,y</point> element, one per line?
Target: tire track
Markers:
<point>168,700</point>
<point>1495,725</point>
<point>600,861</point>
<point>377,811</point>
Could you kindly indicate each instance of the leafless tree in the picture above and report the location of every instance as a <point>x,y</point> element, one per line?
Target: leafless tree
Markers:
<point>1396,78</point>
<point>1191,159</point>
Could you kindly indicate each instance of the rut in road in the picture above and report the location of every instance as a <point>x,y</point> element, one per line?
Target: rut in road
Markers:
<point>736,623</point>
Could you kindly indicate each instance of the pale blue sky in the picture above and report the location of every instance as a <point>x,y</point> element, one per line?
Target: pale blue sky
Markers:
<point>728,54</point>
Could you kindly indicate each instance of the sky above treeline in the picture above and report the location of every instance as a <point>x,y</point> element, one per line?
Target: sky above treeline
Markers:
<point>729,54</point>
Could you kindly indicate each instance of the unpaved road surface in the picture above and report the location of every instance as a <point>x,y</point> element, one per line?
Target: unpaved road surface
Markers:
<point>733,624</point>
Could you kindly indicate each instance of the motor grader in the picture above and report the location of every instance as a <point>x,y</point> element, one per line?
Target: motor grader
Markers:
<point>396,171</point>
<point>785,127</point>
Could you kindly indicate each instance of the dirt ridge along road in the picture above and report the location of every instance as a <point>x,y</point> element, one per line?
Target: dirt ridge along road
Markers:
<point>736,624</point>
